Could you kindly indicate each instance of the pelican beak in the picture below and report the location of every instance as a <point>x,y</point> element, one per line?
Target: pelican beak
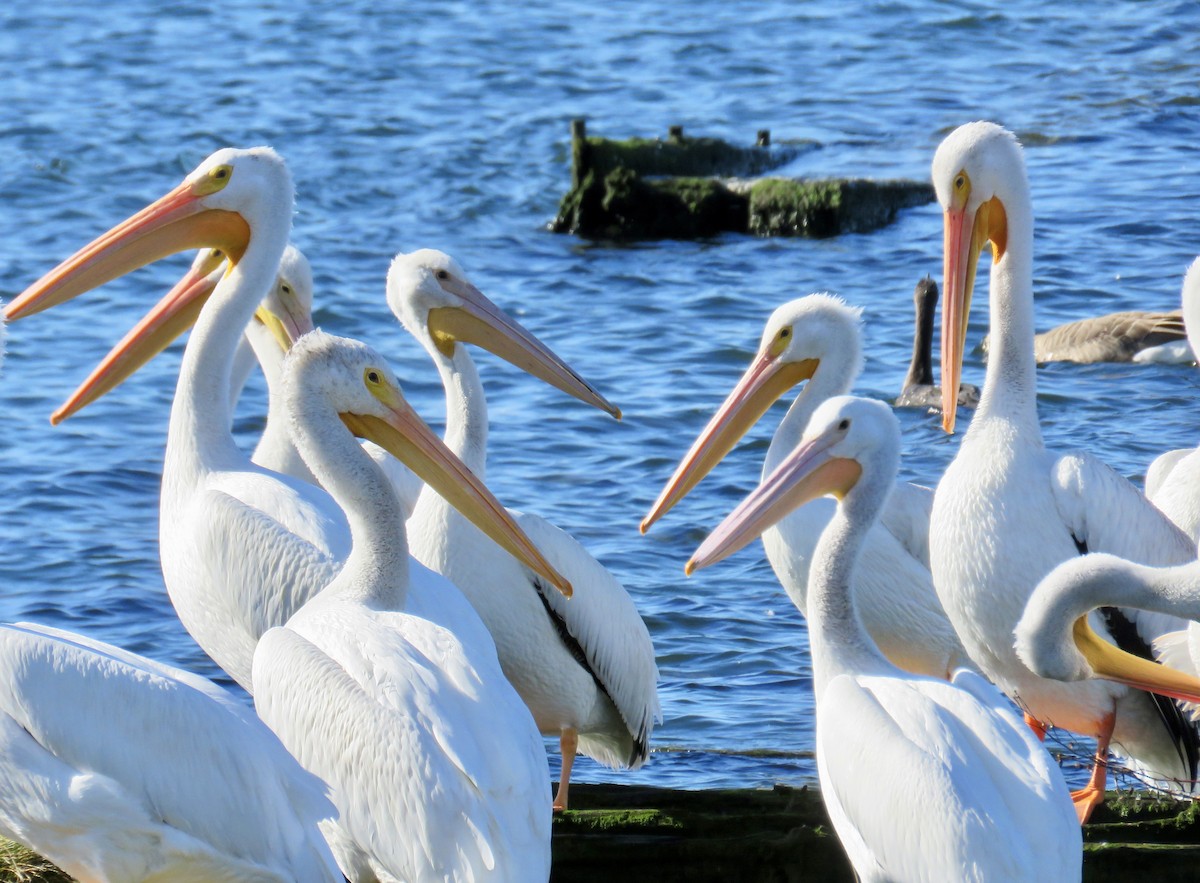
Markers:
<point>1117,665</point>
<point>406,436</point>
<point>807,473</point>
<point>481,322</point>
<point>177,222</point>
<point>963,238</point>
<point>286,327</point>
<point>171,316</point>
<point>764,382</point>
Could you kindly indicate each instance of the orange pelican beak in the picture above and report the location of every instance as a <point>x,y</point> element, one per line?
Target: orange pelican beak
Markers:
<point>764,382</point>
<point>964,235</point>
<point>177,222</point>
<point>1124,668</point>
<point>807,473</point>
<point>407,438</point>
<point>481,322</point>
<point>169,318</point>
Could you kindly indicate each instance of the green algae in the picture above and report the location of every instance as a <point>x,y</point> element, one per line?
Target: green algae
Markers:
<point>681,188</point>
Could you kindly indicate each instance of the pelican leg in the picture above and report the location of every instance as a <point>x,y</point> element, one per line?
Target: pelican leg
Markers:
<point>1039,728</point>
<point>1088,798</point>
<point>568,742</point>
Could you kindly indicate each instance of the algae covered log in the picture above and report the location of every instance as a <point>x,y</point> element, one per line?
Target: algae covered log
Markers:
<point>684,188</point>
<point>639,833</point>
<point>828,206</point>
<point>679,154</point>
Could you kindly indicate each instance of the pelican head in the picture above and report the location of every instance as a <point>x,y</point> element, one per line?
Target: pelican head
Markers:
<point>286,310</point>
<point>1055,640</point>
<point>817,332</point>
<point>846,438</point>
<point>217,205</point>
<point>355,382</point>
<point>433,298</point>
<point>978,174</point>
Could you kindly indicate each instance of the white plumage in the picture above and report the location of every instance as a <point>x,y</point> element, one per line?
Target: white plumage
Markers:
<point>1173,479</point>
<point>121,769</point>
<point>242,548</point>
<point>817,338</point>
<point>434,762</point>
<point>1007,510</point>
<point>923,780</point>
<point>586,665</point>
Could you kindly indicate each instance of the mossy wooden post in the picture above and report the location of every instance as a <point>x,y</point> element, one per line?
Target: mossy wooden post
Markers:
<point>581,160</point>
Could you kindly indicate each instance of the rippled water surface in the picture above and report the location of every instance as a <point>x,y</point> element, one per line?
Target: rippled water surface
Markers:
<point>446,125</point>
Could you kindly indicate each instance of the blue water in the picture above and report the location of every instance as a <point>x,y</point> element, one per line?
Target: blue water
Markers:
<point>446,125</point>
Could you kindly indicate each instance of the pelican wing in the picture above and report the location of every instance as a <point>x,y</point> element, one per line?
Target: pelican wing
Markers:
<point>989,794</point>
<point>609,631</point>
<point>257,570</point>
<point>427,757</point>
<point>1177,494</point>
<point>300,508</point>
<point>906,516</point>
<point>112,757</point>
<point>1161,467</point>
<point>1104,512</point>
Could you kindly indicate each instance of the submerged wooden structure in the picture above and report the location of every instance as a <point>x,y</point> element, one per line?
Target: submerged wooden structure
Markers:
<point>642,834</point>
<point>688,188</point>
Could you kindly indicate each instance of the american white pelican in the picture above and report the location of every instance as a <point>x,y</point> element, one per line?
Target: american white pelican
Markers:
<point>285,313</point>
<point>585,667</point>
<point>119,768</point>
<point>1007,510</point>
<point>1173,479</point>
<point>292,298</point>
<point>816,338</point>
<point>1057,638</point>
<point>433,761</point>
<point>923,780</point>
<point>919,390</point>
<point>227,582</point>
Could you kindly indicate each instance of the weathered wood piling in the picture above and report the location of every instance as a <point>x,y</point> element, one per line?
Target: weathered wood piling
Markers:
<point>688,188</point>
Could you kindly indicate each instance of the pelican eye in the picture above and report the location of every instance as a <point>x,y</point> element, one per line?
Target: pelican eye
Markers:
<point>285,288</point>
<point>216,179</point>
<point>373,377</point>
<point>443,274</point>
<point>785,332</point>
<point>845,424</point>
<point>960,182</point>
